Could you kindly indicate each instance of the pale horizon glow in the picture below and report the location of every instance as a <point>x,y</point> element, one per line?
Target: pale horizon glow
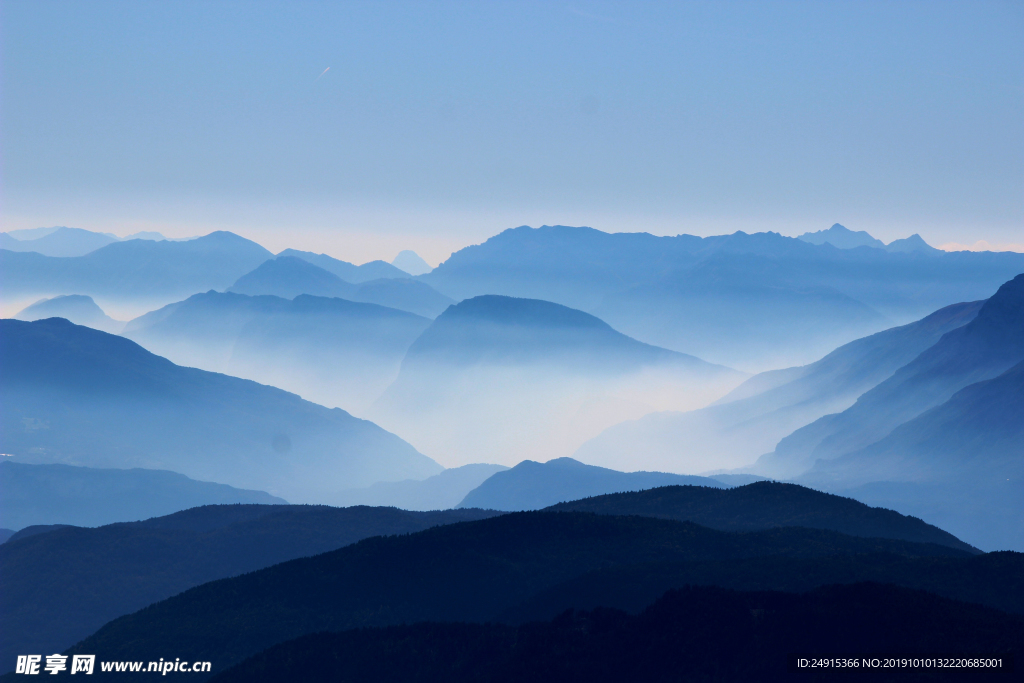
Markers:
<point>438,125</point>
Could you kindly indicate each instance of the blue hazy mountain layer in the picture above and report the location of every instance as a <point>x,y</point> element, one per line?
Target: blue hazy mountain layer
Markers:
<point>506,330</point>
<point>751,419</point>
<point>982,349</point>
<point>120,568</point>
<point>766,505</point>
<point>473,571</point>
<point>77,308</point>
<point>135,269</point>
<point>410,262</point>
<point>753,296</point>
<point>504,379</point>
<point>78,396</point>
<point>961,464</point>
<point>333,351</point>
<point>5,534</point>
<point>60,242</point>
<point>533,485</point>
<point>289,276</point>
<point>439,492</point>
<point>374,270</point>
<point>85,496</point>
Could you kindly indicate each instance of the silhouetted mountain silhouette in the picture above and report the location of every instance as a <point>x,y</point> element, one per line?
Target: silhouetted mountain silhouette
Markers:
<point>75,395</point>
<point>533,485</point>
<point>121,568</point>
<point>85,496</point>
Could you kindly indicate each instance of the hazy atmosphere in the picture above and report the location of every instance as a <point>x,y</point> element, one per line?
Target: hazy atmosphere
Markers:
<point>511,341</point>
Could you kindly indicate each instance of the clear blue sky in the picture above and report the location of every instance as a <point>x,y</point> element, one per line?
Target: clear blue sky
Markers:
<point>438,124</point>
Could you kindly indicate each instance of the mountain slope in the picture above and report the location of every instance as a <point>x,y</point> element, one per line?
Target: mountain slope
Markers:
<point>77,308</point>
<point>961,463</point>
<point>78,396</point>
<point>136,269</point>
<point>83,496</point>
<point>533,485</point>
<point>332,351</point>
<point>563,375</point>
<point>984,348</point>
<point>463,572</point>
<point>121,568</point>
<point>751,419</point>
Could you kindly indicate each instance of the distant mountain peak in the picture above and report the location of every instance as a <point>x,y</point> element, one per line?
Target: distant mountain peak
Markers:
<point>841,237</point>
<point>411,263</point>
<point>913,243</point>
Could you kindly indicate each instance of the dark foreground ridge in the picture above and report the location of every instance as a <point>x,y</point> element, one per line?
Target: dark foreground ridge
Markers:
<point>692,634</point>
<point>120,568</point>
<point>765,505</point>
<point>472,571</point>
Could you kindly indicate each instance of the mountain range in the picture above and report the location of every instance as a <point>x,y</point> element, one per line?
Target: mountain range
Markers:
<point>84,496</point>
<point>503,379</point>
<point>754,417</point>
<point>754,301</point>
<point>78,396</point>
